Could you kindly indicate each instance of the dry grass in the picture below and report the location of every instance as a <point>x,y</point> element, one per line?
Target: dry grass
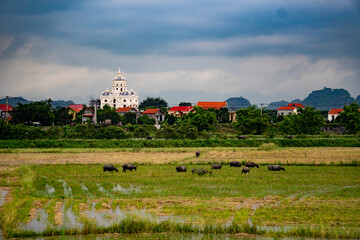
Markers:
<point>283,155</point>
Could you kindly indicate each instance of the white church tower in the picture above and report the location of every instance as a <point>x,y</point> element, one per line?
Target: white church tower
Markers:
<point>119,96</point>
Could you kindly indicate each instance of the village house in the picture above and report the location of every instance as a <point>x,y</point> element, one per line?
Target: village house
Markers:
<point>334,113</point>
<point>291,108</point>
<point>124,110</point>
<point>216,105</point>
<point>5,111</point>
<point>179,111</point>
<point>88,115</point>
<point>74,109</point>
<point>155,113</point>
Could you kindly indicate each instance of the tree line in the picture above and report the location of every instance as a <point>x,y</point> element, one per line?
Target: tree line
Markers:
<point>200,123</point>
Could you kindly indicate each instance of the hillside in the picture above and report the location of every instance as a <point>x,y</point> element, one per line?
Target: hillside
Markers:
<point>235,103</point>
<point>328,98</point>
<point>14,101</point>
<point>357,100</point>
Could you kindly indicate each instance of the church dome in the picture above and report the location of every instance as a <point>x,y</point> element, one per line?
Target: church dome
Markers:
<point>106,93</point>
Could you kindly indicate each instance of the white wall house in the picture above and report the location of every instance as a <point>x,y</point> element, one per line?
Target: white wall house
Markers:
<point>334,113</point>
<point>119,96</point>
<point>291,108</point>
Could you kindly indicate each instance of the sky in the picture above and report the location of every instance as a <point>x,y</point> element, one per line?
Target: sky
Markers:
<point>179,50</point>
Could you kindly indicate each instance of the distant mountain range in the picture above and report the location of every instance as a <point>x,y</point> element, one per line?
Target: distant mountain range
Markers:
<point>324,99</point>
<point>14,101</point>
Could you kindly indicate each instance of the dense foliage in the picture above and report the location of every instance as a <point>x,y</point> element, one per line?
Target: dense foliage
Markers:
<point>251,121</point>
<point>151,102</point>
<point>350,117</point>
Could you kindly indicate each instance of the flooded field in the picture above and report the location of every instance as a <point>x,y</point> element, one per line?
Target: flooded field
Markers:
<point>315,201</point>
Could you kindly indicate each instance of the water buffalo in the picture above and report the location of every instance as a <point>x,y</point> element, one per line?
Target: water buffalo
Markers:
<point>129,167</point>
<point>235,164</point>
<point>197,154</point>
<point>149,137</point>
<point>216,166</point>
<point>251,164</point>
<point>242,137</point>
<point>109,168</point>
<point>181,168</point>
<point>275,168</point>
<point>245,170</point>
<point>201,171</point>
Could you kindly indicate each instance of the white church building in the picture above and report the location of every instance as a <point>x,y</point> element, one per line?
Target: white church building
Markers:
<point>119,96</point>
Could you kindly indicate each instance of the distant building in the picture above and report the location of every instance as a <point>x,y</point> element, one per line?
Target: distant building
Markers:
<point>74,109</point>
<point>291,108</point>
<point>5,111</point>
<point>334,113</point>
<point>155,113</point>
<point>179,111</point>
<point>119,96</point>
<point>124,110</point>
<point>216,105</point>
<point>88,114</point>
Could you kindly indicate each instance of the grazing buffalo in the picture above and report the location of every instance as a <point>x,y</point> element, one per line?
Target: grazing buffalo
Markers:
<point>197,154</point>
<point>242,137</point>
<point>245,170</point>
<point>109,168</point>
<point>201,171</point>
<point>149,137</point>
<point>216,166</point>
<point>251,164</point>
<point>290,136</point>
<point>235,164</point>
<point>181,168</point>
<point>275,168</point>
<point>129,167</point>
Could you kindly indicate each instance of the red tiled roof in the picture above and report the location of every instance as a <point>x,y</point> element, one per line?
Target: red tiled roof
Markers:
<point>124,109</point>
<point>216,105</point>
<point>181,108</point>
<point>76,107</point>
<point>151,111</point>
<point>3,107</point>
<point>298,105</point>
<point>335,110</point>
<point>286,108</point>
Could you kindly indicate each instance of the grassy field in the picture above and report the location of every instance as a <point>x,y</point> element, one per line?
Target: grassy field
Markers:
<point>65,192</point>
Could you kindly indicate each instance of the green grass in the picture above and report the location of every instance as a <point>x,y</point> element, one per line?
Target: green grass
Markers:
<point>316,201</point>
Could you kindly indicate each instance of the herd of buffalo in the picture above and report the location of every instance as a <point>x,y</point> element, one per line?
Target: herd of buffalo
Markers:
<point>182,168</point>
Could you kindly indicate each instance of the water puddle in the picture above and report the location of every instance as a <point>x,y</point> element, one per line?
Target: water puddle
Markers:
<point>39,223</point>
<point>131,189</point>
<point>2,196</point>
<point>67,189</point>
<point>102,190</point>
<point>49,190</point>
<point>86,191</point>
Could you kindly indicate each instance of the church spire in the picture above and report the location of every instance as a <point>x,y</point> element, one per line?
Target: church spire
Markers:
<point>119,73</point>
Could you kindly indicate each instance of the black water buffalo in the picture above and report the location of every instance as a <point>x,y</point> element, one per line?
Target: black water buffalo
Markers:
<point>245,170</point>
<point>129,167</point>
<point>201,171</point>
<point>235,164</point>
<point>251,164</point>
<point>149,137</point>
<point>197,154</point>
<point>181,168</point>
<point>275,168</point>
<point>109,168</point>
<point>242,137</point>
<point>216,166</point>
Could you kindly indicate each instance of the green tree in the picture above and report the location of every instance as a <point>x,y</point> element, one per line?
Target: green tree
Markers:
<point>183,104</point>
<point>108,113</point>
<point>250,120</point>
<point>201,119</point>
<point>34,112</point>
<point>307,121</point>
<point>153,102</point>
<point>141,132</point>
<point>222,115</point>
<point>62,116</point>
<point>146,120</point>
<point>350,117</point>
<point>170,119</point>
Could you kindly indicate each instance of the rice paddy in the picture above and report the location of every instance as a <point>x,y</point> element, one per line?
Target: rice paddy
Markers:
<point>67,193</point>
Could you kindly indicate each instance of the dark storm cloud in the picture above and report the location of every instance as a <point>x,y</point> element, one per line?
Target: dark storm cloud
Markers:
<point>147,27</point>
